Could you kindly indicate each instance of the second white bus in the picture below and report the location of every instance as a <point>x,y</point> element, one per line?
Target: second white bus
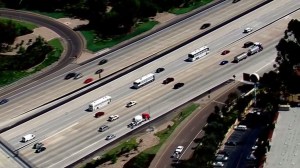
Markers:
<point>99,103</point>
<point>197,54</point>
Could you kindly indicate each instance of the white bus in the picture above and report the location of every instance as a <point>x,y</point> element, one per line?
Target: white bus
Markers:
<point>197,54</point>
<point>143,80</point>
<point>99,103</point>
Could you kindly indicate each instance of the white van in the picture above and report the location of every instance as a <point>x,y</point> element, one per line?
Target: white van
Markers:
<point>241,127</point>
<point>28,137</point>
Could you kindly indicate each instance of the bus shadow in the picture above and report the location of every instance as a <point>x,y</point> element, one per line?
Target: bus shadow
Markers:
<point>87,110</point>
<point>132,87</point>
<point>187,60</point>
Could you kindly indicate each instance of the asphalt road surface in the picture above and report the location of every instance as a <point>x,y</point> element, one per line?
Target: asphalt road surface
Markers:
<point>55,85</point>
<point>192,129</point>
<point>69,132</point>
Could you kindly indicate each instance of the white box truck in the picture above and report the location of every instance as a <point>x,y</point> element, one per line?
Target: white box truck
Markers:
<point>28,137</point>
<point>240,57</point>
<point>137,120</point>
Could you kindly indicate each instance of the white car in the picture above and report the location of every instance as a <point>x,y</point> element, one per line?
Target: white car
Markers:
<point>179,149</point>
<point>248,29</point>
<point>113,117</point>
<point>218,164</point>
<point>254,147</point>
<point>221,157</point>
<point>131,103</point>
<point>251,157</point>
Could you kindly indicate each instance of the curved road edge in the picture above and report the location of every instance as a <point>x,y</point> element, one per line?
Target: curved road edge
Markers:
<point>72,41</point>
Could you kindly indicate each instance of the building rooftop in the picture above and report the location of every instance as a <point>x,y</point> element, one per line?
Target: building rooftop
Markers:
<point>285,145</point>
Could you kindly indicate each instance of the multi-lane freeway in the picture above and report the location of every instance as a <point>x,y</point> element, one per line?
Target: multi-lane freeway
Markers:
<point>24,100</point>
<point>70,132</point>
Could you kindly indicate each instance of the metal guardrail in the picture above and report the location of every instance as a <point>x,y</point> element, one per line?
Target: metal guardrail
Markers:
<point>14,154</point>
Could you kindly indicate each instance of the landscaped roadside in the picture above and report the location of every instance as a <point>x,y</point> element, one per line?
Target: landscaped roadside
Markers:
<point>94,43</point>
<point>140,150</point>
<point>11,76</point>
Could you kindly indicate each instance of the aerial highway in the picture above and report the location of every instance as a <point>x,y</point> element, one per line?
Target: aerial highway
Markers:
<point>70,132</point>
<point>55,85</point>
<point>193,129</point>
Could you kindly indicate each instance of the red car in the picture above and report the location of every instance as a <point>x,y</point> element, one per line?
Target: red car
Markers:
<point>225,52</point>
<point>99,114</point>
<point>88,80</point>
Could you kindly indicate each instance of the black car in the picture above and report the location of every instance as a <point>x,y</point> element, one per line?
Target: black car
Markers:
<point>159,70</point>
<point>231,143</point>
<point>99,71</point>
<point>70,75</point>
<point>248,44</point>
<point>178,85</point>
<point>223,62</point>
<point>205,25</point>
<point>103,62</point>
<point>38,145</point>
<point>41,149</point>
<point>3,101</point>
<point>168,80</point>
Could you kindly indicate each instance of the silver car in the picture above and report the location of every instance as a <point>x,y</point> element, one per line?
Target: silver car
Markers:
<point>77,76</point>
<point>109,137</point>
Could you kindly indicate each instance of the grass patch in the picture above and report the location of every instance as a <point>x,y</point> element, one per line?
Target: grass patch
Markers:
<point>165,134</point>
<point>190,7</point>
<point>8,77</point>
<point>144,158</point>
<point>19,24</point>
<point>112,155</point>
<point>126,144</point>
<point>53,56</point>
<point>95,44</point>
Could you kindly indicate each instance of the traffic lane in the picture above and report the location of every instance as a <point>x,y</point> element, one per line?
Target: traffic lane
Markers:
<point>46,98</point>
<point>39,99</point>
<point>256,60</point>
<point>192,87</point>
<point>243,69</point>
<point>166,38</point>
<point>118,56</point>
<point>218,101</point>
<point>209,79</point>
<point>198,121</point>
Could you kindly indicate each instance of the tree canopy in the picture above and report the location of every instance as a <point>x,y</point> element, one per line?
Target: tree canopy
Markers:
<point>288,57</point>
<point>107,17</point>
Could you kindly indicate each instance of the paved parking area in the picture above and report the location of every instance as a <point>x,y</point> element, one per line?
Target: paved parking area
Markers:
<point>237,154</point>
